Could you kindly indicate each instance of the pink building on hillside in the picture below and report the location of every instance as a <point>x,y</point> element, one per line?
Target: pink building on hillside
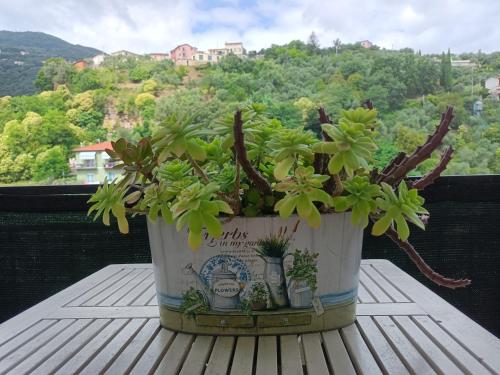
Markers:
<point>183,52</point>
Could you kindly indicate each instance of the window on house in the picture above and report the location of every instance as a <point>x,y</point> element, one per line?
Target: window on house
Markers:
<point>90,177</point>
<point>111,176</point>
<point>209,58</point>
<point>200,57</point>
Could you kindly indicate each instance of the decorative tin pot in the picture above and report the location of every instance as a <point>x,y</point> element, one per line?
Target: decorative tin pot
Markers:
<point>275,279</point>
<point>300,294</point>
<point>225,266</point>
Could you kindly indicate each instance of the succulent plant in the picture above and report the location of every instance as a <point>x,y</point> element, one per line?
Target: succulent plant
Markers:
<point>250,164</point>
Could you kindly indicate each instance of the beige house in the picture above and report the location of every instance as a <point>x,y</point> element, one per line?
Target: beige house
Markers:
<point>366,44</point>
<point>158,56</point>
<point>124,53</point>
<point>463,64</point>
<point>98,59</point>
<point>235,48</point>
<point>492,84</point>
<point>92,164</point>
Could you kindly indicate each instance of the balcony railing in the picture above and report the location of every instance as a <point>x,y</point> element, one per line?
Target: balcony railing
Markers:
<point>89,165</point>
<point>111,164</point>
<point>48,242</point>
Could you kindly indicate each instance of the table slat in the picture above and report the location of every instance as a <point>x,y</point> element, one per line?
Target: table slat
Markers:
<point>387,358</point>
<point>51,347</point>
<point>33,345</point>
<point>358,351</point>
<point>267,356</point>
<point>131,353</point>
<point>432,353</point>
<point>19,340</point>
<point>67,351</point>
<point>313,352</point>
<point>91,292</point>
<point>218,363</point>
<point>172,361</point>
<point>337,353</point>
<point>126,289</point>
<point>152,355</point>
<point>388,288</point>
<point>197,358</point>
<point>290,355</point>
<point>115,288</point>
<point>102,360</point>
<point>462,357</point>
<point>87,353</point>
<point>408,353</point>
<point>243,356</point>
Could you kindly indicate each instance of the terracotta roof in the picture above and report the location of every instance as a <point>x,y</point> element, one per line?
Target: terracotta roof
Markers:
<point>95,147</point>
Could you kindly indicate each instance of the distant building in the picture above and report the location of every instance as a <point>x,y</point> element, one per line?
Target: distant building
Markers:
<point>183,53</point>
<point>492,84</point>
<point>463,64</point>
<point>159,56</point>
<point>366,44</point>
<point>98,59</point>
<point>18,62</point>
<point>124,53</point>
<point>477,108</point>
<point>80,65</point>
<point>235,48</point>
<point>92,164</point>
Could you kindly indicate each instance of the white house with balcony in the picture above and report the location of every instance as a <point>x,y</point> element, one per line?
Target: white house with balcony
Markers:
<point>91,164</point>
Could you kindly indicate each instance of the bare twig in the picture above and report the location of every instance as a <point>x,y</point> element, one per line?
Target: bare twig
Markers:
<point>430,177</point>
<point>198,169</point>
<point>408,163</point>
<point>339,187</point>
<point>236,194</point>
<point>426,270</point>
<point>239,146</point>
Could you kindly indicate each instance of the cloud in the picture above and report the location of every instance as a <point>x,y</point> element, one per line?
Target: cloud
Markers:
<point>159,25</point>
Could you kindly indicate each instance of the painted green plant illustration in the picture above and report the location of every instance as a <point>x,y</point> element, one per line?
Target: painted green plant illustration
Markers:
<point>193,303</point>
<point>304,268</point>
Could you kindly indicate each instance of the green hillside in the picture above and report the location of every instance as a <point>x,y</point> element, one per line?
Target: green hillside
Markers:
<point>131,98</point>
<point>22,55</point>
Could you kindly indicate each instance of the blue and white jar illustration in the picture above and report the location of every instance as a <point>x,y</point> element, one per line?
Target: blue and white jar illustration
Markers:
<point>222,279</point>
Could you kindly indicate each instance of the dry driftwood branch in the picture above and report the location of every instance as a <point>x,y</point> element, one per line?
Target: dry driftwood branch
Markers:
<point>399,170</point>
<point>430,177</point>
<point>426,270</point>
<point>239,146</point>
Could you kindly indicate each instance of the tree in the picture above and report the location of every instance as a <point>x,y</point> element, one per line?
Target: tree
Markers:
<point>313,42</point>
<point>337,44</point>
<point>55,71</point>
<point>51,164</point>
<point>445,79</point>
<point>87,79</point>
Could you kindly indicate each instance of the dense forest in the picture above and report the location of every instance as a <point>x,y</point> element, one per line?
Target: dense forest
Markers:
<point>23,53</point>
<point>131,97</point>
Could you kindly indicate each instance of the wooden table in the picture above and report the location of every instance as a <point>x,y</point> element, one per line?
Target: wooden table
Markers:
<point>108,323</point>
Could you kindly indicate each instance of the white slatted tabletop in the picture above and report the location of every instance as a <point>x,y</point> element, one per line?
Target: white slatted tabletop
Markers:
<point>108,323</point>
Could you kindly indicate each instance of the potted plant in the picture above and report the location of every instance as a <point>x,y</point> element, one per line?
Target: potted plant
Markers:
<point>258,296</point>
<point>218,191</point>
<point>272,249</point>
<point>302,279</point>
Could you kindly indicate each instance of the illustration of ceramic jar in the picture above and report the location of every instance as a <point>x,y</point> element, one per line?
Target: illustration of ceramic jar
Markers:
<point>300,294</point>
<point>275,279</point>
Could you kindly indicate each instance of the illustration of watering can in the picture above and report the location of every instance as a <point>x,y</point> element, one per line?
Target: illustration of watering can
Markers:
<point>223,291</point>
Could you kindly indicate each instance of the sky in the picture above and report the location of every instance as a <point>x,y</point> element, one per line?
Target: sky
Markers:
<point>145,26</point>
